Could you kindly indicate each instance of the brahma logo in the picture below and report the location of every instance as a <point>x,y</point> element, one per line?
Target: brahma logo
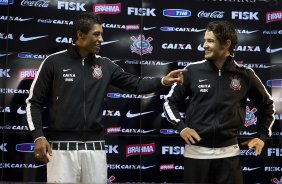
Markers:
<point>113,130</point>
<point>177,13</point>
<point>140,149</point>
<point>274,16</point>
<point>27,74</point>
<point>107,8</point>
<point>25,147</point>
<point>166,167</point>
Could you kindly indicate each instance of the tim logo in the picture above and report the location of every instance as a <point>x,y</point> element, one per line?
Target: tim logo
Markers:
<point>25,147</point>
<point>6,2</point>
<point>140,149</point>
<point>141,45</point>
<point>251,119</point>
<point>177,13</point>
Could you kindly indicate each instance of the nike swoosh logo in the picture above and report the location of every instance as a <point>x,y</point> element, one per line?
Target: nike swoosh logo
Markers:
<point>1,55</point>
<point>147,167</point>
<point>129,115</point>
<point>200,48</point>
<point>202,80</point>
<point>116,60</point>
<point>151,96</point>
<point>109,42</point>
<point>251,169</point>
<point>65,70</point>
<point>37,166</point>
<point>199,30</point>
<point>268,50</point>
<point>148,28</point>
<point>20,111</point>
<point>21,19</point>
<point>147,131</point>
<point>250,32</point>
<point>167,63</point>
<point>25,39</point>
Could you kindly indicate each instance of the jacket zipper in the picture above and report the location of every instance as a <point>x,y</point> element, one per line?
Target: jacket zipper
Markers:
<point>217,102</point>
<point>84,97</point>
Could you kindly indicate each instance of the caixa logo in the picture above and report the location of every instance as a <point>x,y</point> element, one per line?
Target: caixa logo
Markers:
<point>177,13</point>
<point>25,147</point>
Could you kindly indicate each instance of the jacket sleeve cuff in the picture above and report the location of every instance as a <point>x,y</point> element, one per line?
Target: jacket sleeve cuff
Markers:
<point>263,137</point>
<point>37,134</point>
<point>181,126</point>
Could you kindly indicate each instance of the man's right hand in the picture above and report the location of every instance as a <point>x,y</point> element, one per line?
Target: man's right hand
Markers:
<point>42,150</point>
<point>190,135</point>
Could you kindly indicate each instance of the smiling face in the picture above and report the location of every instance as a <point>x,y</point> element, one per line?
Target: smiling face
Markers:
<point>90,43</point>
<point>213,49</point>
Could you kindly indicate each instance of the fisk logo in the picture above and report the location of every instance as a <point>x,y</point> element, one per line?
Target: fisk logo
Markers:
<point>244,15</point>
<point>141,11</point>
<point>274,152</point>
<point>3,147</point>
<point>177,13</point>
<point>71,6</point>
<point>25,147</point>
<point>4,73</point>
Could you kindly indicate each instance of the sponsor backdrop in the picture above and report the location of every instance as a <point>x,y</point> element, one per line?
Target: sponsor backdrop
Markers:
<point>147,38</point>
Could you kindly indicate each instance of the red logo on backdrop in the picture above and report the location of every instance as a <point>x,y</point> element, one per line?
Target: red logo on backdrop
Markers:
<point>113,130</point>
<point>27,74</point>
<point>141,45</point>
<point>274,16</point>
<point>251,119</point>
<point>140,149</point>
<point>166,167</point>
<point>107,8</point>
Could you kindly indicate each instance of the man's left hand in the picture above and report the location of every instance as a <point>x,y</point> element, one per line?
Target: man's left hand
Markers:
<point>174,76</point>
<point>254,143</point>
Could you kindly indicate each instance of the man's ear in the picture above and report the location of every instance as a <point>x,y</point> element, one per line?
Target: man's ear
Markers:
<point>227,44</point>
<point>80,35</point>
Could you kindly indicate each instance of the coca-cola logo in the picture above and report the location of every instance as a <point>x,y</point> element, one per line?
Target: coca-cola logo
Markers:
<point>248,152</point>
<point>38,3</point>
<point>213,15</point>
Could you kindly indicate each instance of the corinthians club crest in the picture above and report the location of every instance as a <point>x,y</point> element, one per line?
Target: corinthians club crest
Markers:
<point>97,71</point>
<point>235,83</point>
<point>141,45</point>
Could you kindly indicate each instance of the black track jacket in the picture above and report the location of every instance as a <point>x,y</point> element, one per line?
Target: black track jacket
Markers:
<point>217,102</point>
<point>74,89</point>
